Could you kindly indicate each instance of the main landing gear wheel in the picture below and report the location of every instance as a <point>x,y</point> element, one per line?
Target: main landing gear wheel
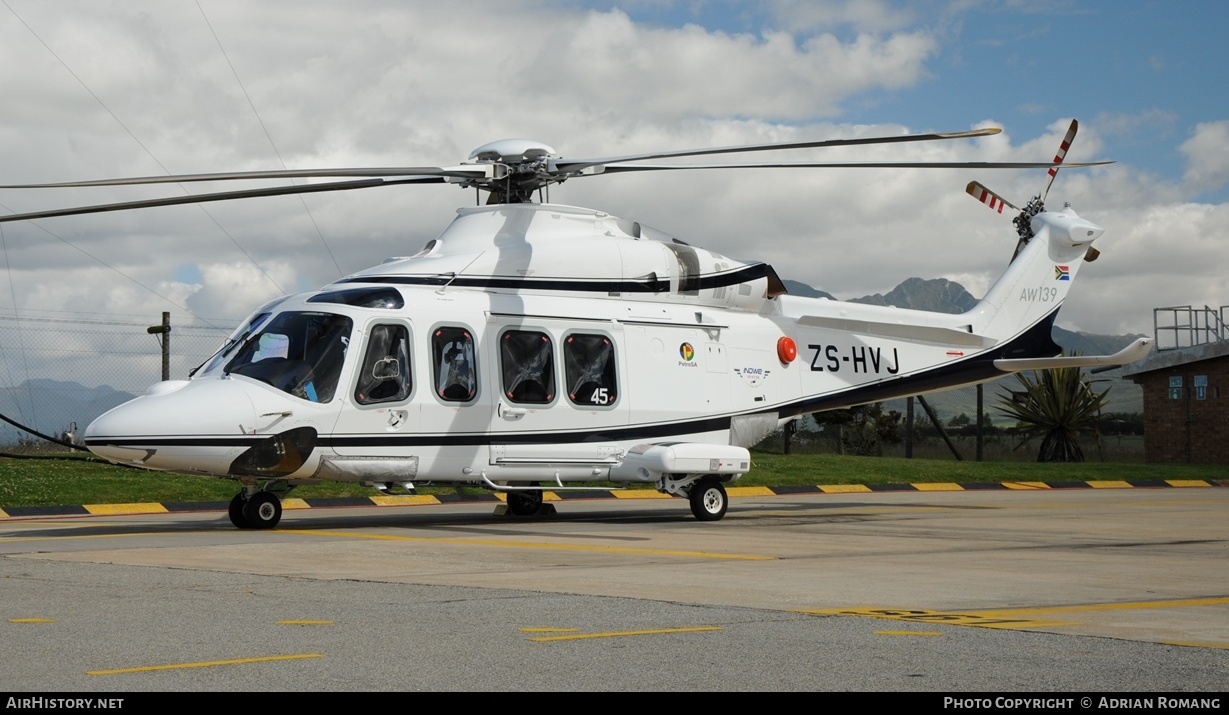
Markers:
<point>236,511</point>
<point>525,503</point>
<point>708,500</point>
<point>262,511</point>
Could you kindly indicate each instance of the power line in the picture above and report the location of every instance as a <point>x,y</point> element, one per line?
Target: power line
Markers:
<point>147,151</point>
<point>268,136</point>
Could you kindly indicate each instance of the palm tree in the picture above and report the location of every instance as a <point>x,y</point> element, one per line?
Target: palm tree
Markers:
<point>1059,406</point>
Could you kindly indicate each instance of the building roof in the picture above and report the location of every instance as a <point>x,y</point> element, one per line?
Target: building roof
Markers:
<point>1166,359</point>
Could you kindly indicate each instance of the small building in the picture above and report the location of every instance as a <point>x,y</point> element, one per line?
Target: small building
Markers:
<point>1185,380</point>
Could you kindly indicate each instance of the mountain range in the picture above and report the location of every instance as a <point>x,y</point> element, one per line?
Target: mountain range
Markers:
<point>53,407</point>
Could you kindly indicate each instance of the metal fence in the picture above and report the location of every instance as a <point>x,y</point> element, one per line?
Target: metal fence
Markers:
<point>1184,326</point>
<point>59,371</point>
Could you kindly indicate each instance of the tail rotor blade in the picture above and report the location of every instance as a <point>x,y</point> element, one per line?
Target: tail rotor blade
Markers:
<point>996,203</point>
<point>1062,154</point>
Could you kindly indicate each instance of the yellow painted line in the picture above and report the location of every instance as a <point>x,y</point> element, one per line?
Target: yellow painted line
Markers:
<point>908,633</point>
<point>294,504</point>
<point>1026,485</point>
<point>203,664</point>
<point>1128,606</point>
<point>32,620</point>
<point>1197,644</point>
<point>641,494</point>
<point>620,634</point>
<point>979,619</point>
<point>937,487</point>
<point>750,492</point>
<point>304,623</point>
<point>1108,484</point>
<point>1014,617</point>
<point>546,496</point>
<point>540,545</point>
<point>405,500</point>
<point>1187,483</point>
<point>60,537</point>
<point>843,488</point>
<point>3,514</point>
<point>111,509</point>
<point>548,630</point>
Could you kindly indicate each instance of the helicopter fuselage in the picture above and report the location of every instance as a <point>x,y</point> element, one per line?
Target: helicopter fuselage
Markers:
<point>534,344</point>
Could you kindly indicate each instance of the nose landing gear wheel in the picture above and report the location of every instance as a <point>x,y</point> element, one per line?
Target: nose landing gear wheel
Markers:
<point>708,500</point>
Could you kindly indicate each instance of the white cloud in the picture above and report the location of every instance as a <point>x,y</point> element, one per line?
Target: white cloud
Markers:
<point>393,83</point>
<point>1207,154</point>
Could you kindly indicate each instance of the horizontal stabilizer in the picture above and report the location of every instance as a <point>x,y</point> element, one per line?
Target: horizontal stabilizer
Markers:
<point>1135,351</point>
<point>935,334</point>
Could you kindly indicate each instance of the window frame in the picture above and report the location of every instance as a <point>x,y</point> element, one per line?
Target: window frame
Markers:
<point>614,356</point>
<point>475,367</point>
<point>552,388</point>
<point>368,333</point>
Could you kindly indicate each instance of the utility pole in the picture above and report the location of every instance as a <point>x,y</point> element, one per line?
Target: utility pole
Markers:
<point>164,339</point>
<point>980,434</point>
<point>909,428</point>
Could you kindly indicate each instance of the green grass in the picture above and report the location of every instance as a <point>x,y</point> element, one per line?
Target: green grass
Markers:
<point>72,480</point>
<point>778,469</point>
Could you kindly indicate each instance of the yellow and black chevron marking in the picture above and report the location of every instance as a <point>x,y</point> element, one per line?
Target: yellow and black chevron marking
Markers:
<point>416,500</point>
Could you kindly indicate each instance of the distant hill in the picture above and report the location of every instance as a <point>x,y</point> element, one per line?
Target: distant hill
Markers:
<point>937,294</point>
<point>52,406</point>
<point>802,289</point>
<point>944,296</point>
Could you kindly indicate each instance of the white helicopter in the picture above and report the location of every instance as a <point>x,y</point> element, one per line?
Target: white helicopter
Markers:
<point>496,357</point>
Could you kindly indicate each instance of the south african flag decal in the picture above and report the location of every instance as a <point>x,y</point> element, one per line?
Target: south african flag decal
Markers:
<point>1062,273</point>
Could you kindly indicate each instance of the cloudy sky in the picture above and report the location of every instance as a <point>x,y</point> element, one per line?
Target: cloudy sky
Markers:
<point>103,89</point>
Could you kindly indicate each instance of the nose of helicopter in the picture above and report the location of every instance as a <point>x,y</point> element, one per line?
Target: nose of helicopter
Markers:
<point>196,426</point>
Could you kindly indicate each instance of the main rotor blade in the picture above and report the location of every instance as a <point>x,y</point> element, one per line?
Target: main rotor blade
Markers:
<point>1062,153</point>
<point>574,165</point>
<point>619,168</point>
<point>222,196</point>
<point>477,171</point>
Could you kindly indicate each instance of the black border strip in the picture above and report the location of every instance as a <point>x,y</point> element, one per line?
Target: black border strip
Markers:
<point>708,281</point>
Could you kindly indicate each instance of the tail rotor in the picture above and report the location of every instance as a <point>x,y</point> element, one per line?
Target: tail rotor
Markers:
<point>1024,220</point>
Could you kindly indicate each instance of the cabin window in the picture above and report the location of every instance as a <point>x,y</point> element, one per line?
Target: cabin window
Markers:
<point>589,368</point>
<point>456,374</point>
<point>299,353</point>
<point>527,358</point>
<point>384,375</point>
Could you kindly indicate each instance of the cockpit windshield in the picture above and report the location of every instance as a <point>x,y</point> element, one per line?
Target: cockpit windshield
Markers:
<point>242,333</point>
<point>297,352</point>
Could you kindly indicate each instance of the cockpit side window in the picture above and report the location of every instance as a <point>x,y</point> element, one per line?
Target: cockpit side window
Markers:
<point>456,370</point>
<point>589,368</point>
<point>384,375</point>
<point>300,353</point>
<point>527,360</point>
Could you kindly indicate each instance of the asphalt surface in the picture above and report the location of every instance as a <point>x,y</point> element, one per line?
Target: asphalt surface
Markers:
<point>1104,588</point>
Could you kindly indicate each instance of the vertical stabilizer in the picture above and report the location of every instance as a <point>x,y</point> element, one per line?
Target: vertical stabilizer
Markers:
<point>1037,281</point>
